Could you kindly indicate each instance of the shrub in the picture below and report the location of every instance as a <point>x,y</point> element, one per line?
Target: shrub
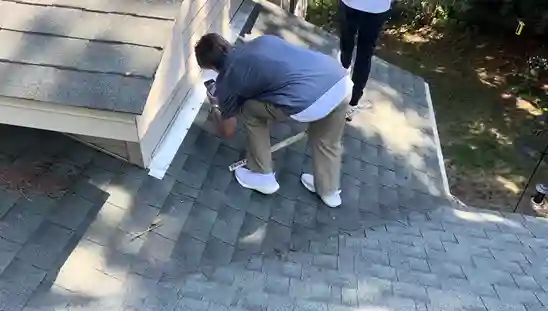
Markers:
<point>505,14</point>
<point>487,15</point>
<point>538,66</point>
<point>323,13</point>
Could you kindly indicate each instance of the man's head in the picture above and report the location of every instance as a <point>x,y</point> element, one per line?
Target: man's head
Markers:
<point>211,51</point>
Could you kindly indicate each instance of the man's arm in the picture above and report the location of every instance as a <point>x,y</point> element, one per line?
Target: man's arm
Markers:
<point>225,127</point>
<point>229,86</point>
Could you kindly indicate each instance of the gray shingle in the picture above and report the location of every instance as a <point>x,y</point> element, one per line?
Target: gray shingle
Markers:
<point>200,222</point>
<point>73,88</point>
<point>8,250</point>
<point>167,9</point>
<point>228,224</point>
<point>71,211</point>
<point>46,246</point>
<point>80,57</point>
<point>84,24</point>
<point>173,216</point>
<point>7,200</point>
<point>19,223</point>
<point>132,96</point>
<point>78,54</point>
<point>13,296</point>
<point>217,253</point>
<point>23,274</point>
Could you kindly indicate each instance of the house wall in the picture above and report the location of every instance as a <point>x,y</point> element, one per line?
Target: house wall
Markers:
<point>68,119</point>
<point>112,132</point>
<point>125,150</point>
<point>178,71</point>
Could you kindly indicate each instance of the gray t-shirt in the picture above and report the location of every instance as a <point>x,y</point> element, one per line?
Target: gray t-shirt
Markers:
<point>272,70</point>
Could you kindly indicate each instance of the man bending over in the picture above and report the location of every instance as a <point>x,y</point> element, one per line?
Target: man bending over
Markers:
<point>268,79</point>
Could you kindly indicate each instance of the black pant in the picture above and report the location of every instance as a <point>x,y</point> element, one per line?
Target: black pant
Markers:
<point>367,27</point>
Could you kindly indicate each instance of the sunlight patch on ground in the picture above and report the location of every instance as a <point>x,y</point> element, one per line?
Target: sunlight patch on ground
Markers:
<point>468,216</point>
<point>412,35</point>
<point>488,78</point>
<point>501,138</point>
<point>527,106</point>
<point>398,127</point>
<point>495,188</point>
<point>478,128</point>
<point>440,69</point>
<point>508,184</point>
<point>486,216</point>
<point>123,196</point>
<point>523,104</point>
<point>414,38</point>
<point>85,261</point>
<point>398,135</point>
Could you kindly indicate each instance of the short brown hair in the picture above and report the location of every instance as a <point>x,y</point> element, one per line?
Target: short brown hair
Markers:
<point>211,51</point>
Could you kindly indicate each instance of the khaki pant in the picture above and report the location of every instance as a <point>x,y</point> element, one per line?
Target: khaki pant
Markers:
<point>325,137</point>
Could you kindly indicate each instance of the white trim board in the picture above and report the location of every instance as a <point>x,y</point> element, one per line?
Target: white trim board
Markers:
<point>441,161</point>
<point>68,119</point>
<point>165,153</point>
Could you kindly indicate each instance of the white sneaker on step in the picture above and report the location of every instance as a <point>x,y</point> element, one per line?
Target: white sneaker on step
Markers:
<point>332,200</point>
<point>263,183</point>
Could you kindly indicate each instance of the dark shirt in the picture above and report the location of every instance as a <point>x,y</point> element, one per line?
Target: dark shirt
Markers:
<point>269,69</point>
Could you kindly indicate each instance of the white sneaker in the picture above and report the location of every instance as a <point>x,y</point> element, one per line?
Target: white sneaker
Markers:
<point>263,183</point>
<point>332,200</point>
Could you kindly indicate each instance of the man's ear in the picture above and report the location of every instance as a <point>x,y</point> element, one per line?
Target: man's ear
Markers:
<point>228,127</point>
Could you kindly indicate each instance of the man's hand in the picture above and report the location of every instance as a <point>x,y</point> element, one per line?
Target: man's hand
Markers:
<point>212,100</point>
<point>213,106</point>
<point>225,127</point>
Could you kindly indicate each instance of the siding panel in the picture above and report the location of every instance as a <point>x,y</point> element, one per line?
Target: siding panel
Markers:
<point>178,71</point>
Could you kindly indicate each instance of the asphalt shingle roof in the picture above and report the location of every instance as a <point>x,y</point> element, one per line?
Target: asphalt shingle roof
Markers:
<point>96,53</point>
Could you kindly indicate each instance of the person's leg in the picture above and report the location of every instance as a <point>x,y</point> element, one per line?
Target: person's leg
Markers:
<point>257,117</point>
<point>256,124</point>
<point>258,174</point>
<point>325,137</point>
<point>348,31</point>
<point>369,29</point>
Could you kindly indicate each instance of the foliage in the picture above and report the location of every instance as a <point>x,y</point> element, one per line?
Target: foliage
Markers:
<point>323,13</point>
<point>505,14</point>
<point>418,13</point>
<point>528,83</point>
<point>487,15</point>
<point>538,66</point>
